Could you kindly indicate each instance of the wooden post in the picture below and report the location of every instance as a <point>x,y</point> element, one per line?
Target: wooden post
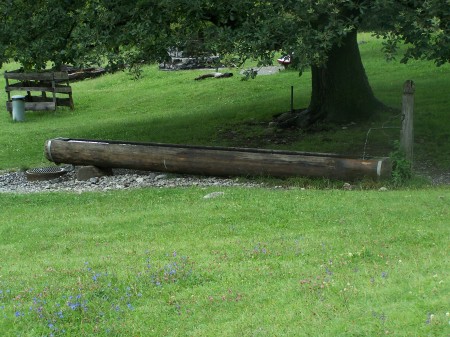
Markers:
<point>407,132</point>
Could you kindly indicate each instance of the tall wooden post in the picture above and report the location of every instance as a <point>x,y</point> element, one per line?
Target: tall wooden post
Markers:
<point>407,132</point>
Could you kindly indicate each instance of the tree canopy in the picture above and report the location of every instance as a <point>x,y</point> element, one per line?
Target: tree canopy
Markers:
<point>119,32</point>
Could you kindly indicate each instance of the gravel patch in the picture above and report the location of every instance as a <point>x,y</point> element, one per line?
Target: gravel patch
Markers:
<point>434,175</point>
<point>16,182</point>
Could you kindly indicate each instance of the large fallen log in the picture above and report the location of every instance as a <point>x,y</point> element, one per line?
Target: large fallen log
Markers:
<point>217,161</point>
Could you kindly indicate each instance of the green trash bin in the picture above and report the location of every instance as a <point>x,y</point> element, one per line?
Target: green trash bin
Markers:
<point>18,108</point>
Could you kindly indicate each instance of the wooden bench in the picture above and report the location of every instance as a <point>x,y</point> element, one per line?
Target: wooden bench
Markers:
<point>53,82</point>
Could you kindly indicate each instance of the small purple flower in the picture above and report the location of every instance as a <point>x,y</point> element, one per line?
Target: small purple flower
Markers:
<point>384,274</point>
<point>73,306</point>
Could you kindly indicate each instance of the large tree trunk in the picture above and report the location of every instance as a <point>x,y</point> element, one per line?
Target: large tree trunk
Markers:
<point>340,90</point>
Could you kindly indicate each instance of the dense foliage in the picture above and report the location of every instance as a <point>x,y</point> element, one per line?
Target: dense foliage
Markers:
<point>316,33</point>
<point>88,31</point>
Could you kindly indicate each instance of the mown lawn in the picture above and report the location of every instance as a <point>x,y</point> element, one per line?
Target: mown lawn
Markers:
<point>254,262</point>
<point>171,107</point>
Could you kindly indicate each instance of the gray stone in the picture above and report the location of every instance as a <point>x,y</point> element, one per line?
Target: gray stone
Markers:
<point>213,195</point>
<point>347,186</point>
<point>93,180</point>
<point>85,173</point>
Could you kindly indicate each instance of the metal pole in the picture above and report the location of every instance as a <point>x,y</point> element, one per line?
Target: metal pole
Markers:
<point>292,99</point>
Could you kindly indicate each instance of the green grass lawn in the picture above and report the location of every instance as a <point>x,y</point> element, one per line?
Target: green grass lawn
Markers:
<point>254,262</point>
<point>171,107</point>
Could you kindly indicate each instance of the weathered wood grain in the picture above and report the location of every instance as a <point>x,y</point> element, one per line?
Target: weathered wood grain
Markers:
<point>212,160</point>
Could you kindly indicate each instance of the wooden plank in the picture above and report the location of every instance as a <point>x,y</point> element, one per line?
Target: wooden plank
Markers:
<point>210,160</point>
<point>34,106</point>
<point>20,87</point>
<point>38,76</point>
<point>60,76</point>
<point>29,76</point>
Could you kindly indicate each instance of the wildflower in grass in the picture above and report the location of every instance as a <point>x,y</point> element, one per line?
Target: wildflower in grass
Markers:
<point>430,318</point>
<point>19,314</point>
<point>73,306</point>
<point>384,274</point>
<point>84,306</point>
<point>382,317</point>
<point>130,306</point>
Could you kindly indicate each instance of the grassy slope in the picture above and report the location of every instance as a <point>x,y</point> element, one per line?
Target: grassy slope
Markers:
<point>269,262</point>
<point>261,262</point>
<point>171,107</point>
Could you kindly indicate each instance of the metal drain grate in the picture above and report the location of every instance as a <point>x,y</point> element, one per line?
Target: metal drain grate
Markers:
<point>45,173</point>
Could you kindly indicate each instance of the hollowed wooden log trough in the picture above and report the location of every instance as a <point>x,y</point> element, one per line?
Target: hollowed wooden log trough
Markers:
<point>216,161</point>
